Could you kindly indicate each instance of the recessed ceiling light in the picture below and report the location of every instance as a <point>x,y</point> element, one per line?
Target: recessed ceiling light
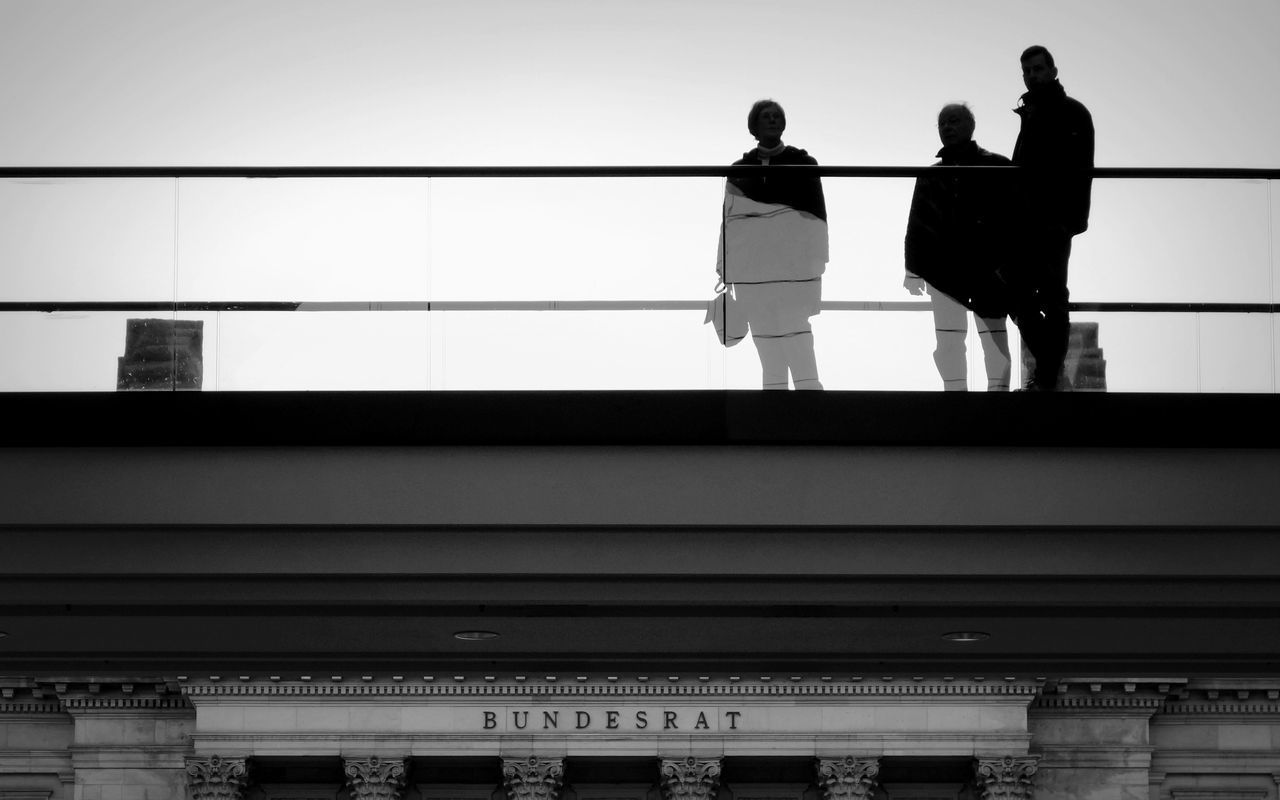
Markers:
<point>966,636</point>
<point>475,636</point>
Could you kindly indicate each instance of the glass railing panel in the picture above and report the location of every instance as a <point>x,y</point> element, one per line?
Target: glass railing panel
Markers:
<point>1236,353</point>
<point>1186,352</point>
<point>80,351</point>
<point>314,239</point>
<point>322,351</point>
<point>867,223</point>
<point>577,283</point>
<point>90,239</point>
<point>1166,240</point>
<point>870,350</point>
<point>574,238</point>
<point>596,350</point>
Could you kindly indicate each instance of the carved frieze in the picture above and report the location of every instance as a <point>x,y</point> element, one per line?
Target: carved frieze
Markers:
<point>533,778</point>
<point>375,778</point>
<point>690,778</point>
<point>216,778</point>
<point>847,778</point>
<point>1008,778</point>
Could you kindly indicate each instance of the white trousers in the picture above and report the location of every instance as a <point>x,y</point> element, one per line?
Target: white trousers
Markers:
<point>951,325</point>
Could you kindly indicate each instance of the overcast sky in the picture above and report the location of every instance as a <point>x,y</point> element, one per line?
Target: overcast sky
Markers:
<point>1170,82</point>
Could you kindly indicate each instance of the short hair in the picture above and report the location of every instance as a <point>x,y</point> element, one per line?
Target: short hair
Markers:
<point>1038,50</point>
<point>964,110</point>
<point>759,106</point>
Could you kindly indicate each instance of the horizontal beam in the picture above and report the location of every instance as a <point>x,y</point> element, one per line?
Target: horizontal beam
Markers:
<point>601,171</point>
<point>191,306</point>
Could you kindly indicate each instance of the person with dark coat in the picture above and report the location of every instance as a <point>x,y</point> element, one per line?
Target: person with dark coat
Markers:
<point>773,251</point>
<point>955,246</point>
<point>1055,150</point>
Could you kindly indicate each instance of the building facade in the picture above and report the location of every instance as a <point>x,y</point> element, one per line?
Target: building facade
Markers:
<point>312,597</point>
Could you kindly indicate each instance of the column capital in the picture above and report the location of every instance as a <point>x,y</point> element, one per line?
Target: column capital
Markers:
<point>689,778</point>
<point>1007,778</point>
<point>374,778</point>
<point>533,778</point>
<point>216,778</point>
<point>847,778</point>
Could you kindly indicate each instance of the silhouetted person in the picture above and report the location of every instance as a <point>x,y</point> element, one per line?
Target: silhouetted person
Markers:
<point>1055,146</point>
<point>956,241</point>
<point>773,251</point>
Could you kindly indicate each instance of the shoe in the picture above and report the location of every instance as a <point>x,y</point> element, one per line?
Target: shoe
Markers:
<point>1034,386</point>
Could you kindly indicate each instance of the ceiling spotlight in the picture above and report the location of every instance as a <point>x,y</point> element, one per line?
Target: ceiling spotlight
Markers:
<point>966,636</point>
<point>475,636</point>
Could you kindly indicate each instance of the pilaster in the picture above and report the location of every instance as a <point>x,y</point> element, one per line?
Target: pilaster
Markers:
<point>216,778</point>
<point>1093,736</point>
<point>131,738</point>
<point>1006,778</point>
<point>533,778</point>
<point>847,778</point>
<point>36,734</point>
<point>689,778</point>
<point>375,778</point>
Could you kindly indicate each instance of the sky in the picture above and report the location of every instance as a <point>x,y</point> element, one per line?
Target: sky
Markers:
<point>1170,83</point>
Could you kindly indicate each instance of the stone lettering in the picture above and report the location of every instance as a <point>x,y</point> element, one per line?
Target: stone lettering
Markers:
<point>606,719</point>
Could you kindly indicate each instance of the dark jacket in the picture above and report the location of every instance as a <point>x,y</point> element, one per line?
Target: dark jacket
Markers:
<point>1056,135</point>
<point>801,193</point>
<point>958,229</point>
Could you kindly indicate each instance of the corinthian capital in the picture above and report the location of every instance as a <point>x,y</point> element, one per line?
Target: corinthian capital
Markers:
<point>216,778</point>
<point>533,778</point>
<point>1008,778</point>
<point>690,778</point>
<point>374,778</point>
<point>847,778</point>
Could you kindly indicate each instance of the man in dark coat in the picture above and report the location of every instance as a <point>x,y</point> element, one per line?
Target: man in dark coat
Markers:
<point>1055,148</point>
<point>956,241</point>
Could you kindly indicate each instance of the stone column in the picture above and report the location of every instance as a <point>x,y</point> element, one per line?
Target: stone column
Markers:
<point>533,778</point>
<point>690,778</point>
<point>374,778</point>
<point>847,778</point>
<point>216,778</point>
<point>1008,778</point>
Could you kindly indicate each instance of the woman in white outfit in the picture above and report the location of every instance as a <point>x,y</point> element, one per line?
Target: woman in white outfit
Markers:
<point>773,251</point>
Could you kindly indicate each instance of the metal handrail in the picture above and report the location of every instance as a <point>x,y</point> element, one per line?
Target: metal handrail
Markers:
<point>600,171</point>
<point>188,306</point>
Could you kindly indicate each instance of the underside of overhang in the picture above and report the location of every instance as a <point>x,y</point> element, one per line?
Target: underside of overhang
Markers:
<point>756,536</point>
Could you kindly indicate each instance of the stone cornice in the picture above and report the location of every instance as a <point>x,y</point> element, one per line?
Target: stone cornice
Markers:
<point>1242,697</point>
<point>483,687</point>
<point>71,695</point>
<point>90,703</point>
<point>30,706</point>
<point>1108,695</point>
